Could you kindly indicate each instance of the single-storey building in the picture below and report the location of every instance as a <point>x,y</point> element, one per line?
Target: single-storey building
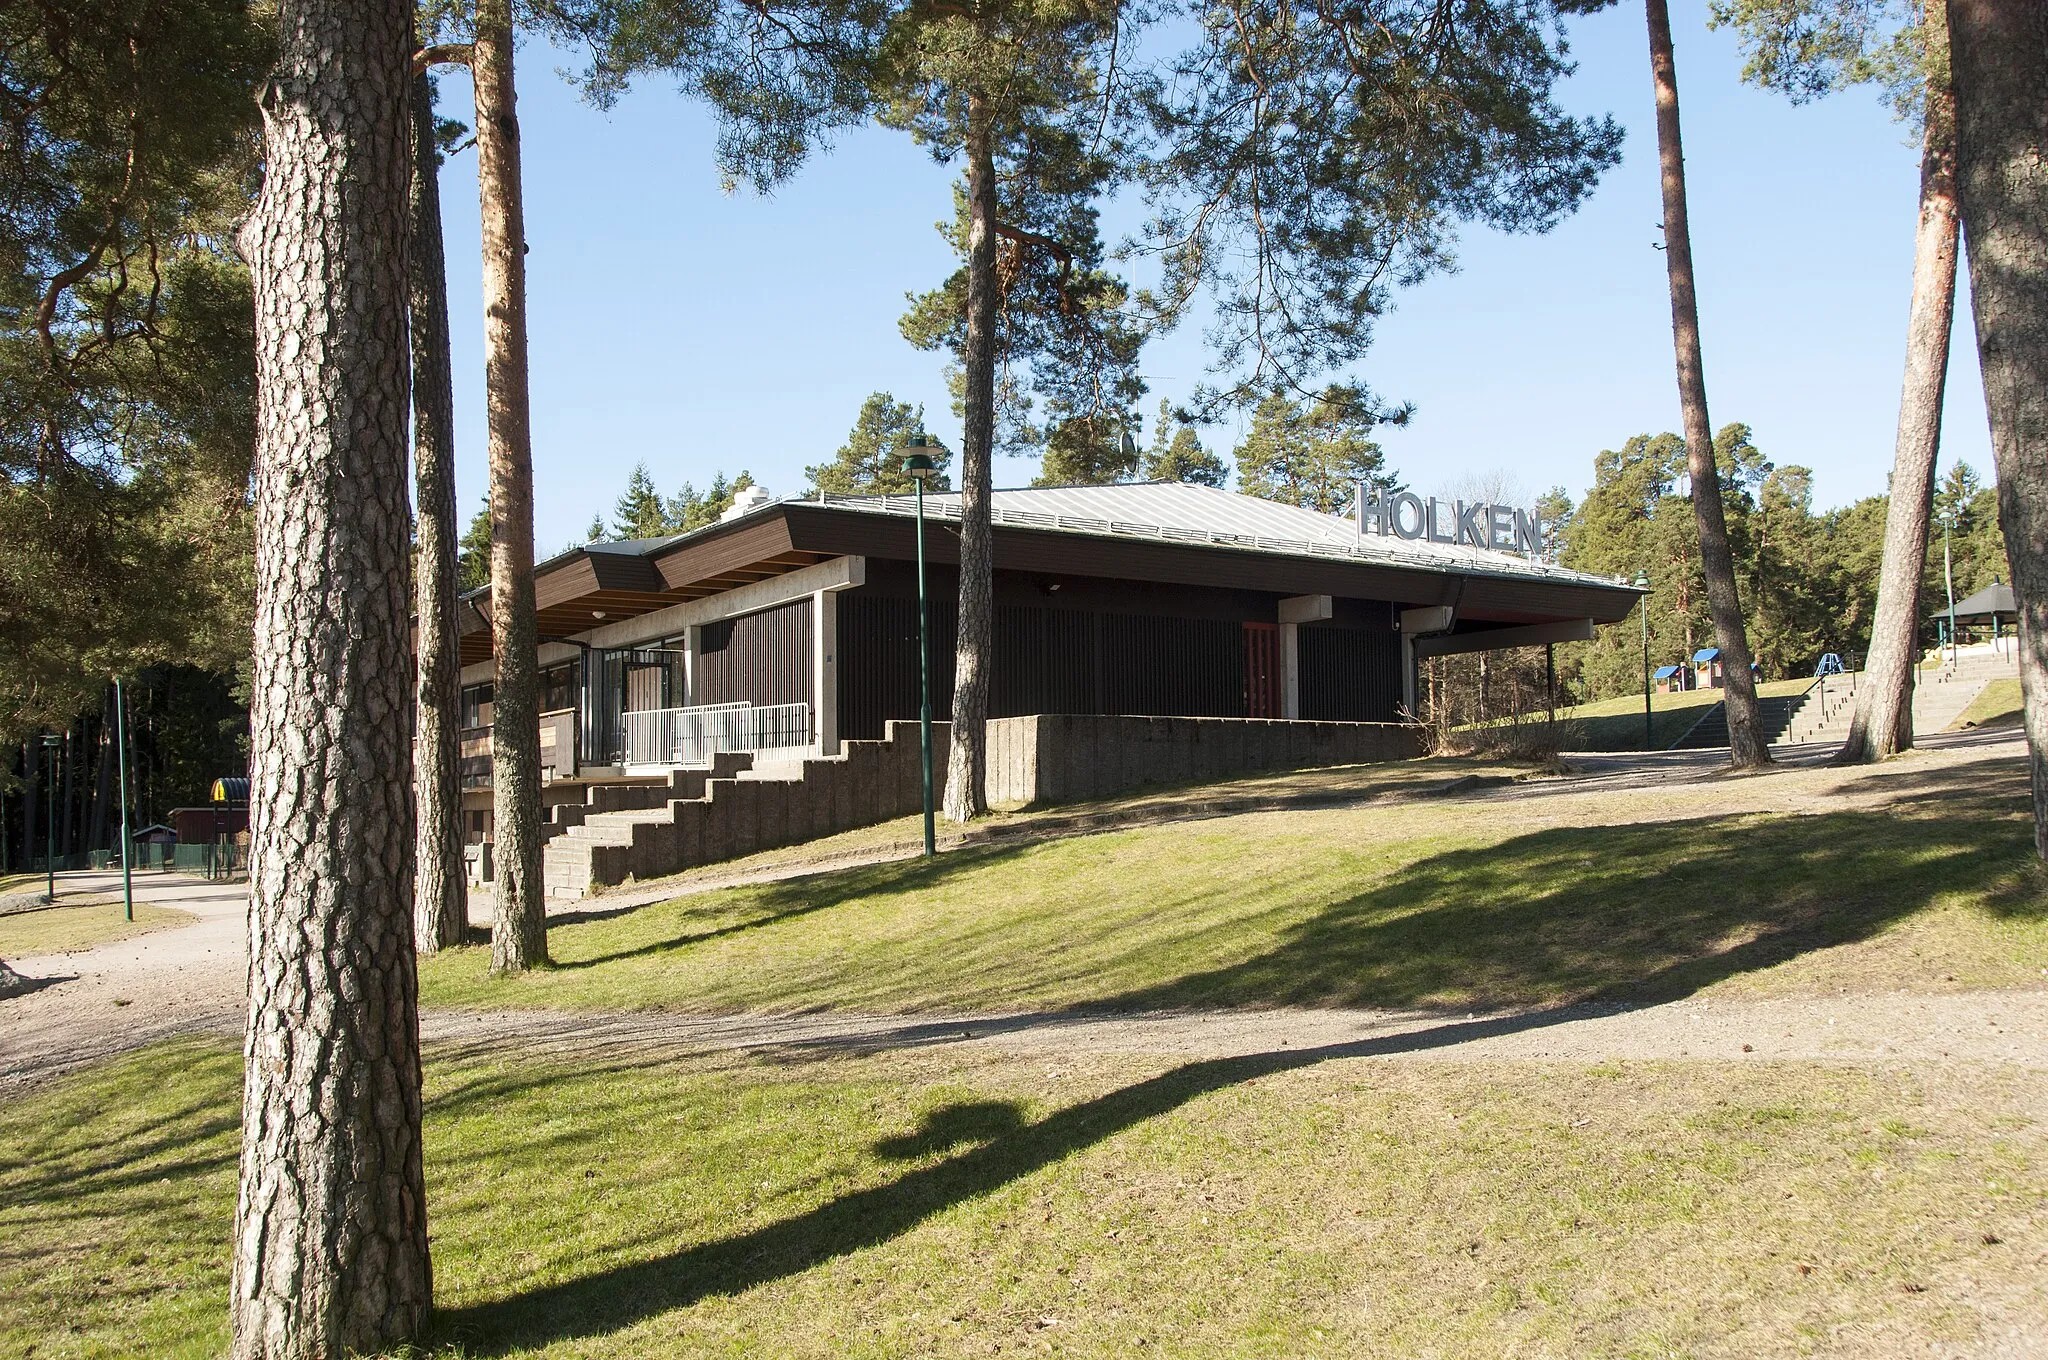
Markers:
<point>790,627</point>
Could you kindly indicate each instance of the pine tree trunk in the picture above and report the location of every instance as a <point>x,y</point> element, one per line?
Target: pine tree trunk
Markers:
<point>440,892</point>
<point>965,785</point>
<point>1746,748</point>
<point>519,933</point>
<point>103,781</point>
<point>2000,64</point>
<point>1883,722</point>
<point>330,1253</point>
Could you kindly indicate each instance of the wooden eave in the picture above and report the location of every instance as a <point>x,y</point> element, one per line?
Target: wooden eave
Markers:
<point>1495,599</point>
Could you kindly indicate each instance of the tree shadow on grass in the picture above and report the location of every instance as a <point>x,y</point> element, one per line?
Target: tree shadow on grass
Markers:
<point>1646,913</point>
<point>787,899</point>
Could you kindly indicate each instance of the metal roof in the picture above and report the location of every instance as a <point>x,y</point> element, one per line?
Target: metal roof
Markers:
<point>1996,598</point>
<point>1183,512</point>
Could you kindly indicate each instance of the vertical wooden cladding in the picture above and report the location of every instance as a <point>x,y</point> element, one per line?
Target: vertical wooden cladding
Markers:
<point>878,662</point>
<point>1350,674</point>
<point>1189,668</point>
<point>761,659</point>
<point>1262,670</point>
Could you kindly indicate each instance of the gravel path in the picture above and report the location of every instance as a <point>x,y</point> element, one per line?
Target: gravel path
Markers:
<point>1995,1026</point>
<point>78,1008</point>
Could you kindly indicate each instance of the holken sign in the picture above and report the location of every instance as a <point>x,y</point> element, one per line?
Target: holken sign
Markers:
<point>1404,514</point>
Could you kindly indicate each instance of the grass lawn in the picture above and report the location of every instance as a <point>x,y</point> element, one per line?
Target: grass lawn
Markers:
<point>1998,705</point>
<point>1481,902</point>
<point>948,1204</point>
<point>67,927</point>
<point>1617,724</point>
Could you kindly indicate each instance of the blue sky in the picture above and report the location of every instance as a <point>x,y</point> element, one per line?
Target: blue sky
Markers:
<point>697,331</point>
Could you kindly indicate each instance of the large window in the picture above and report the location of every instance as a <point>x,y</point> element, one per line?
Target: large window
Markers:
<point>476,706</point>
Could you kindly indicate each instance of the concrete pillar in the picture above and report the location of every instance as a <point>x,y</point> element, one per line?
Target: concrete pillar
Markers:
<point>1296,610</point>
<point>693,639</point>
<point>1290,670</point>
<point>825,671</point>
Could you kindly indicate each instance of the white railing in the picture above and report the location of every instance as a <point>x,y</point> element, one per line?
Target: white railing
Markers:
<point>691,736</point>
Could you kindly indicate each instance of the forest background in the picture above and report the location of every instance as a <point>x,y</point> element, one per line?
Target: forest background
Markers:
<point>147,570</point>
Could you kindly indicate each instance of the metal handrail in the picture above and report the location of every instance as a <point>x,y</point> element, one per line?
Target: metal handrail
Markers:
<point>692,736</point>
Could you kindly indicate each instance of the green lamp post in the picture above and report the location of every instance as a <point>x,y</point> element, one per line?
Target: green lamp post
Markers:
<point>51,743</point>
<point>1643,584</point>
<point>920,465</point>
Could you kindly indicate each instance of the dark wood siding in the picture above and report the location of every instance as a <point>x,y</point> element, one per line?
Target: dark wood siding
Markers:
<point>761,659</point>
<point>1350,674</point>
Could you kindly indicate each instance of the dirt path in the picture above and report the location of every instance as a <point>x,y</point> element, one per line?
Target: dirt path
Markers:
<point>78,1008</point>
<point>2001,1026</point>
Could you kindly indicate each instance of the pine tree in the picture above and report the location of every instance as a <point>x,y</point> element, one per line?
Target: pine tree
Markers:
<point>1313,458</point>
<point>1177,454</point>
<point>1807,48</point>
<point>870,462</point>
<point>1088,451</point>
<point>330,1237</point>
<point>473,560</point>
<point>1747,748</point>
<point>639,512</point>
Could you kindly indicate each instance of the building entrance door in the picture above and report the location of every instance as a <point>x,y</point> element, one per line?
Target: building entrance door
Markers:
<point>1262,670</point>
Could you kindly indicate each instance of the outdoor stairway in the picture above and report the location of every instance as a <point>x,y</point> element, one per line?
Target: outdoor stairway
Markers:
<point>645,830</point>
<point>1822,713</point>
<point>1711,730</point>
<point>1943,694</point>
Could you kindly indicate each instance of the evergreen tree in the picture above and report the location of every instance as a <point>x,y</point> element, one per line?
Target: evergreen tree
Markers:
<point>639,512</point>
<point>1312,457</point>
<point>1087,451</point>
<point>473,560</point>
<point>1177,454</point>
<point>1807,48</point>
<point>689,510</point>
<point>870,462</point>
<point>595,533</point>
<point>129,140</point>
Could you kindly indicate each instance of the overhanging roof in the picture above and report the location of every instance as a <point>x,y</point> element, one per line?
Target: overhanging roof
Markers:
<point>1160,531</point>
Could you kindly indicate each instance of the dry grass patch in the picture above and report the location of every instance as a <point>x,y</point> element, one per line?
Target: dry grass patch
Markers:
<point>71,926</point>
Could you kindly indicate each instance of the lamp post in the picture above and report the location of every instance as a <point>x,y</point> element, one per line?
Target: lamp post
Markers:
<point>921,467</point>
<point>1643,605</point>
<point>51,743</point>
<point>121,758</point>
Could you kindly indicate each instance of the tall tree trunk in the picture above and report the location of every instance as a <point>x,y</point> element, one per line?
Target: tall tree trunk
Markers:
<point>1746,748</point>
<point>519,932</point>
<point>966,795</point>
<point>31,796</point>
<point>330,1254</point>
<point>2000,63</point>
<point>440,894</point>
<point>1883,722</point>
<point>103,780</point>
<point>67,801</point>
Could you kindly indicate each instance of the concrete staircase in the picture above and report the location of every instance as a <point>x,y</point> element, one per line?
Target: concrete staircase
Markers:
<point>1822,713</point>
<point>1711,730</point>
<point>702,816</point>
<point>1943,694</point>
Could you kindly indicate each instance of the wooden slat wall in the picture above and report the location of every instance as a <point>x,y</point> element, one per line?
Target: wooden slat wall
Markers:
<point>762,658</point>
<point>1350,674</point>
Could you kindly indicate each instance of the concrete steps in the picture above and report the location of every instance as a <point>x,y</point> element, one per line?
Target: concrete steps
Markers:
<point>703,816</point>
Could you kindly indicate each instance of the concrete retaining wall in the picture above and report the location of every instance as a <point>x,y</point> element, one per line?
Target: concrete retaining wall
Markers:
<point>1066,757</point>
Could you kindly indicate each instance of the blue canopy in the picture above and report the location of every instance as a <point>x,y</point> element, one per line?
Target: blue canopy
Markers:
<point>1706,654</point>
<point>1666,672</point>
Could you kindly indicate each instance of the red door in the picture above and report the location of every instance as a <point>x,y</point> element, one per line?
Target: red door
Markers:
<point>1262,670</point>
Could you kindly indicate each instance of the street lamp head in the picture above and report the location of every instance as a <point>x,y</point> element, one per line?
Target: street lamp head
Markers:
<point>1642,580</point>
<point>919,464</point>
<point>51,741</point>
